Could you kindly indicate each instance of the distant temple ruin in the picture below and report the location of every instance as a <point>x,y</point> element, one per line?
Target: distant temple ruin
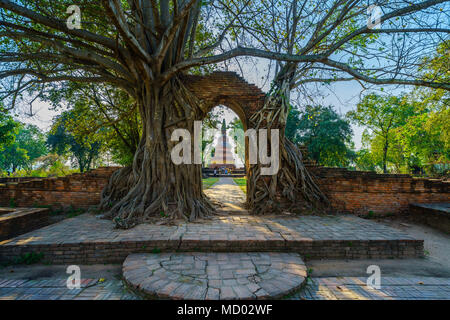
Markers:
<point>223,157</point>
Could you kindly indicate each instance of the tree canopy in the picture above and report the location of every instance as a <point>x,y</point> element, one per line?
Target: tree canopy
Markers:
<point>8,129</point>
<point>62,139</point>
<point>327,135</point>
<point>126,42</point>
<point>28,145</point>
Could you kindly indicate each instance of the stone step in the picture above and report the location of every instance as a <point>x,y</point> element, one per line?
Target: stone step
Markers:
<point>215,276</point>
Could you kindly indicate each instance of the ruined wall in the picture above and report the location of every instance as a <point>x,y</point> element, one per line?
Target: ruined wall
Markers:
<point>349,191</point>
<point>359,192</point>
<point>229,89</point>
<point>77,190</point>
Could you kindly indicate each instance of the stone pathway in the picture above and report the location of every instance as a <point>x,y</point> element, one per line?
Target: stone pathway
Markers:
<point>56,289</point>
<point>214,276</point>
<point>229,194</point>
<point>392,288</point>
<point>330,288</point>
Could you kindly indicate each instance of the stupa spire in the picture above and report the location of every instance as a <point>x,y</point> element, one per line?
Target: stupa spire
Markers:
<point>224,127</point>
<point>223,156</point>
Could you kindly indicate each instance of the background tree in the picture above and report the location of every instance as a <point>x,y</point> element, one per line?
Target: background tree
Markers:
<point>366,161</point>
<point>146,48</point>
<point>421,141</point>
<point>8,129</point>
<point>28,146</point>
<point>327,135</point>
<point>381,115</point>
<point>101,107</point>
<point>52,165</point>
<point>237,132</point>
<point>210,125</point>
<point>426,136</point>
<point>395,159</point>
<point>63,141</point>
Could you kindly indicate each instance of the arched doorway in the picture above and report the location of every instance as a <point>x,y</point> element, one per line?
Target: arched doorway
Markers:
<point>230,90</point>
<point>223,160</point>
<point>223,139</point>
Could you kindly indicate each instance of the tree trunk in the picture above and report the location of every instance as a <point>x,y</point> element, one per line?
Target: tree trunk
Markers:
<point>81,165</point>
<point>385,150</point>
<point>154,188</point>
<point>293,183</point>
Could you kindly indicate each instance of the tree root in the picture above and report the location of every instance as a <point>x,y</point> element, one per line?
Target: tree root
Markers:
<point>293,182</point>
<point>128,205</point>
<point>153,188</point>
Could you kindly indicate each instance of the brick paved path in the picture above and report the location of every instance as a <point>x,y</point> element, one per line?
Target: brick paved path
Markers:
<point>392,288</point>
<point>86,239</point>
<point>229,194</point>
<point>56,289</point>
<point>330,288</point>
<point>214,276</point>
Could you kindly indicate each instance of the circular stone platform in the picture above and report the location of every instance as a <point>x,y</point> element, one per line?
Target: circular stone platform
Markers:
<point>215,276</point>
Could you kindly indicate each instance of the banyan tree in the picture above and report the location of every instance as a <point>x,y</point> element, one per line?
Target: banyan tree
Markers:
<point>148,49</point>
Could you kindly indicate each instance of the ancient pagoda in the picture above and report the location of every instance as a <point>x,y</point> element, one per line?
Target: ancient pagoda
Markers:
<point>223,157</point>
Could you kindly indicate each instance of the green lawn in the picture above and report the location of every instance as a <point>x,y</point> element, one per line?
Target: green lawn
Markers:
<point>242,183</point>
<point>208,182</point>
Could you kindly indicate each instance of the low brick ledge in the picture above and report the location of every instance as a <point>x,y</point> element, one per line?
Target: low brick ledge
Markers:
<point>116,252</point>
<point>17,221</point>
<point>435,215</point>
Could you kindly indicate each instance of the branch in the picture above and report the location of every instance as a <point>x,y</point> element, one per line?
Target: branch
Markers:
<point>56,37</point>
<point>207,49</point>
<point>237,52</point>
<point>80,54</point>
<point>322,80</point>
<point>170,33</point>
<point>116,14</point>
<point>355,73</point>
<point>366,30</point>
<point>58,25</point>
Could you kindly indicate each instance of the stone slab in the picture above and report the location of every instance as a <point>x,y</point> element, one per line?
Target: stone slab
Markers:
<point>215,276</point>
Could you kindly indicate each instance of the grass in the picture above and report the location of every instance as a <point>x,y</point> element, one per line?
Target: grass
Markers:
<point>26,258</point>
<point>242,183</point>
<point>208,182</point>
<point>72,212</point>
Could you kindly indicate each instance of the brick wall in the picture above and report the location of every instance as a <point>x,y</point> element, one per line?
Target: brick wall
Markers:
<point>360,192</point>
<point>17,179</point>
<point>349,191</point>
<point>435,215</point>
<point>77,190</point>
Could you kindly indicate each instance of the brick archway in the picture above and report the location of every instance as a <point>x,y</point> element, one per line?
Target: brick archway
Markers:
<point>232,91</point>
<point>229,89</point>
